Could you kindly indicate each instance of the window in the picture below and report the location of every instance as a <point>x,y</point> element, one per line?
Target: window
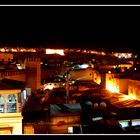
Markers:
<point>11,103</point>
<point>1,103</point>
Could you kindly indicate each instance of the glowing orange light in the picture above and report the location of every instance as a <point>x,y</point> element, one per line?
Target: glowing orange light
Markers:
<point>132,96</point>
<point>128,97</point>
<point>2,50</point>
<point>112,88</point>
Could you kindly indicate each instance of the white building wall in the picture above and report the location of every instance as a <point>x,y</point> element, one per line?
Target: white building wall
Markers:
<point>13,120</point>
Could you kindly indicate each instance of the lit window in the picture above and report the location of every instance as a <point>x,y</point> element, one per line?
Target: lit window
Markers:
<point>11,103</point>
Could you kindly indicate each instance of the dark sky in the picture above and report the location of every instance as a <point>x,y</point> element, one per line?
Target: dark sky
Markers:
<point>107,28</point>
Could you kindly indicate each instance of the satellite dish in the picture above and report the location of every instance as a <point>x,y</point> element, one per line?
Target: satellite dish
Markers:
<point>89,103</point>
<point>103,105</point>
<point>95,105</point>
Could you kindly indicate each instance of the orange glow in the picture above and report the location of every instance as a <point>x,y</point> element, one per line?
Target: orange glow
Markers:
<point>99,81</point>
<point>14,50</point>
<point>112,88</point>
<point>128,97</point>
<point>124,97</point>
<point>103,53</point>
<point>54,51</point>
<point>132,96</point>
<point>2,50</point>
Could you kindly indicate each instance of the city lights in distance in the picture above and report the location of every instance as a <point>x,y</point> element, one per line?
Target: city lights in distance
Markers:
<point>122,55</point>
<point>16,49</point>
<point>55,51</point>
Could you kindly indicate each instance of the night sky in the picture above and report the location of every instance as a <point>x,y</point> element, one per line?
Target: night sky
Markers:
<point>106,28</point>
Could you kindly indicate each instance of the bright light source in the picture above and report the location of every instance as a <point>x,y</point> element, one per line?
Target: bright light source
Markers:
<point>50,87</point>
<point>103,53</point>
<point>54,51</point>
<point>109,71</point>
<point>24,94</point>
<point>2,50</point>
<point>119,56</point>
<point>61,52</point>
<point>84,66</point>
<point>19,66</point>
<point>97,118</point>
<point>14,50</point>
<point>70,129</point>
<point>133,97</point>
<point>112,89</point>
<point>135,68</point>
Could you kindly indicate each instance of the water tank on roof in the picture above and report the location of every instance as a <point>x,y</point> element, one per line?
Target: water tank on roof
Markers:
<point>88,103</point>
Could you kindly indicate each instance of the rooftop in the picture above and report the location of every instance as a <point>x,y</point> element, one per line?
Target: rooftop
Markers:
<point>8,84</point>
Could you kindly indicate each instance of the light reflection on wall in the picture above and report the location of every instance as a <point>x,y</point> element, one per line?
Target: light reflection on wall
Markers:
<point>112,88</point>
<point>116,85</point>
<point>133,89</point>
<point>111,83</point>
<point>96,77</point>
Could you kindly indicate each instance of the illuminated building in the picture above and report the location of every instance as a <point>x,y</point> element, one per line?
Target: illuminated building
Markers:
<point>122,55</point>
<point>122,66</point>
<point>133,89</point>
<point>52,85</point>
<point>127,85</point>
<point>82,74</point>
<point>96,77</point>
<point>117,85</point>
<point>12,98</point>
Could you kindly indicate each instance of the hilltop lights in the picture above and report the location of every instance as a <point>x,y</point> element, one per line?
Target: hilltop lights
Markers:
<point>54,51</point>
<point>122,55</point>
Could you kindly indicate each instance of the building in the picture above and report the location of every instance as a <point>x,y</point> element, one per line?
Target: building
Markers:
<point>65,118</point>
<point>134,89</point>
<point>82,74</point>
<point>5,57</point>
<point>11,102</point>
<point>116,84</point>
<point>33,73</point>
<point>96,77</point>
